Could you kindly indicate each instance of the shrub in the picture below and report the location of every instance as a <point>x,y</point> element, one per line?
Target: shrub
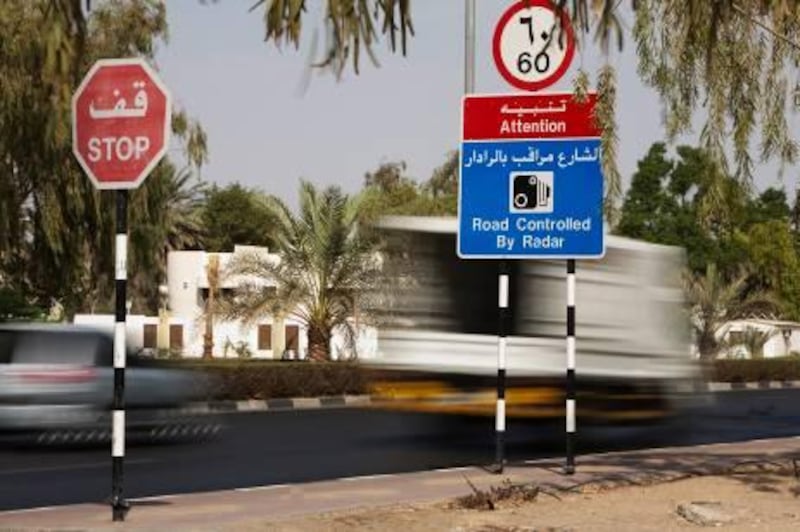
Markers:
<point>770,369</point>
<point>268,379</point>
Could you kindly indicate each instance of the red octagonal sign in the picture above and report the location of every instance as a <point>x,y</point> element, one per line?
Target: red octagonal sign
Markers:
<point>121,117</point>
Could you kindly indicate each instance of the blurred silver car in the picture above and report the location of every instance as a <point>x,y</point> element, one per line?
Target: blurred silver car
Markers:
<point>57,381</point>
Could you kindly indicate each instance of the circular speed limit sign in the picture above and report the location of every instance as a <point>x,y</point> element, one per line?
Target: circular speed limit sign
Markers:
<point>532,48</point>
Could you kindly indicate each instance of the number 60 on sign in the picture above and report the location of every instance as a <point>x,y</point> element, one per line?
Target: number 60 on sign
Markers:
<point>533,45</point>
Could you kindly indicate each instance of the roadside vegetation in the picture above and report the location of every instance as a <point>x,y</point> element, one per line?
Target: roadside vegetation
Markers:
<point>239,380</point>
<point>783,369</point>
<point>732,62</point>
<point>251,379</point>
<point>742,246</point>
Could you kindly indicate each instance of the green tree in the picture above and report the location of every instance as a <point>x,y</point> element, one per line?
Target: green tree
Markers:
<point>687,202</point>
<point>442,186</point>
<point>772,204</point>
<point>732,60</point>
<point>56,230</point>
<point>235,215</point>
<point>715,301</point>
<point>388,190</point>
<point>774,262</point>
<point>327,261</point>
<point>444,180</point>
<point>647,204</point>
<point>15,306</point>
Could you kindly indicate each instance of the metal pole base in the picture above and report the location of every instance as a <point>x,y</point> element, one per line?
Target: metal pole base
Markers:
<point>500,448</point>
<point>496,468</point>
<point>119,508</point>
<point>569,466</point>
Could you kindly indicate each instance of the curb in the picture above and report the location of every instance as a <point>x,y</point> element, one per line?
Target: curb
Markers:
<point>343,401</point>
<point>274,405</point>
<point>762,385</point>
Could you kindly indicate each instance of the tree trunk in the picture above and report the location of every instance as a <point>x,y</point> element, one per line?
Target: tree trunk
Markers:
<point>319,347</point>
<point>212,272</point>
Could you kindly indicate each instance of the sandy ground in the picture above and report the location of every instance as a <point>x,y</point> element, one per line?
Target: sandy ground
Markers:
<point>765,501</point>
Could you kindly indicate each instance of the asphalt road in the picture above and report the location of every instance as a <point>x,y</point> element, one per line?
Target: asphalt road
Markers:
<point>297,446</point>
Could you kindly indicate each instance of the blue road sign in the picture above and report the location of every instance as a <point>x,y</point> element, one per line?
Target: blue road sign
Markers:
<point>530,198</point>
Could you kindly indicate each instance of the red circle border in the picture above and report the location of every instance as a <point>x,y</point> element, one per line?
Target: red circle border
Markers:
<point>498,59</point>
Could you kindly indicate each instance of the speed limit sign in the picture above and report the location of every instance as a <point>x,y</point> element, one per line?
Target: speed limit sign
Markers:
<point>533,46</point>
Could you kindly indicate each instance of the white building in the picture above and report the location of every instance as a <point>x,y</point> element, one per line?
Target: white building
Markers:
<point>782,337</point>
<point>181,326</point>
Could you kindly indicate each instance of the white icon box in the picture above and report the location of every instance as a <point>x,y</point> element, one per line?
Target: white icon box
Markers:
<point>530,192</point>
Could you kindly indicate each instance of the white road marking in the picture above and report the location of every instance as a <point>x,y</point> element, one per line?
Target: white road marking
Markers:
<point>93,465</point>
<point>263,488</point>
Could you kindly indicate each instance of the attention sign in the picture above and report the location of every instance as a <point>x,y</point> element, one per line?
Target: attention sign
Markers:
<point>531,184</point>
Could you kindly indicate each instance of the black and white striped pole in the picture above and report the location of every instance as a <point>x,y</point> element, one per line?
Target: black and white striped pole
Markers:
<point>569,467</point>
<point>502,333</point>
<point>118,504</point>
<point>118,146</point>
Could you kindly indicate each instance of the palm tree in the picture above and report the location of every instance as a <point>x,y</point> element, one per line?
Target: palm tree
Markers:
<point>714,301</point>
<point>326,258</point>
<point>755,339</point>
<point>213,275</point>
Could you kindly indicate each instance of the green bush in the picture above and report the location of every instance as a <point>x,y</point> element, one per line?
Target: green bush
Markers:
<point>770,369</point>
<point>268,379</point>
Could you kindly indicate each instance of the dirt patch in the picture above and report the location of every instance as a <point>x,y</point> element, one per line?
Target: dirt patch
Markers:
<point>752,500</point>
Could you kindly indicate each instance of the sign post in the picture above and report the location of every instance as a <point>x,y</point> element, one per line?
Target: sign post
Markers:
<point>530,181</point>
<point>121,120</point>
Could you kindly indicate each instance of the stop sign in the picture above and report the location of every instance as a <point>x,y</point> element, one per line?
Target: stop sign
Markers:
<point>121,117</point>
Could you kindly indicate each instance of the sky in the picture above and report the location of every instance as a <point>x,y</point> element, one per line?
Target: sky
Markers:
<point>270,124</point>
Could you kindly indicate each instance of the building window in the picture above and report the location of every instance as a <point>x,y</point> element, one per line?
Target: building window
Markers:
<point>176,337</point>
<point>264,337</point>
<point>150,336</point>
<point>224,294</point>
<point>293,338</point>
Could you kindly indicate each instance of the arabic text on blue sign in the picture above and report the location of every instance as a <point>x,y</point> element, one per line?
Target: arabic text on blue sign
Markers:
<point>531,199</point>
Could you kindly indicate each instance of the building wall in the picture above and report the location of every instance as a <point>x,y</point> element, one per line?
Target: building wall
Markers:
<point>186,280</point>
<point>135,325</point>
<point>776,346</point>
<point>184,269</point>
<point>229,334</point>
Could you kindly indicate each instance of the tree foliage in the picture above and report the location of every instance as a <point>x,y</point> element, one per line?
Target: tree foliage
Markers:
<point>389,190</point>
<point>686,202</point>
<point>715,301</point>
<point>326,262</point>
<point>691,202</point>
<point>56,230</point>
<point>15,306</point>
<point>235,215</point>
<point>733,59</point>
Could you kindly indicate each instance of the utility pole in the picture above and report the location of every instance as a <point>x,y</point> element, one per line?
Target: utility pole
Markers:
<point>469,46</point>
